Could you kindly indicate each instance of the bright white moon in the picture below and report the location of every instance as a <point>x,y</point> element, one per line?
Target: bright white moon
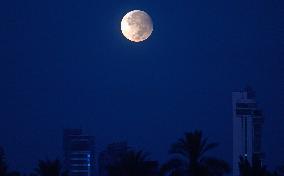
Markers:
<point>136,26</point>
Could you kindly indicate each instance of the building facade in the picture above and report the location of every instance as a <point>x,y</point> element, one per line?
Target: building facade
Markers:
<point>79,153</point>
<point>247,128</point>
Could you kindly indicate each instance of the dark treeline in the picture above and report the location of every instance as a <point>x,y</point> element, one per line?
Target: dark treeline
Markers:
<point>188,157</point>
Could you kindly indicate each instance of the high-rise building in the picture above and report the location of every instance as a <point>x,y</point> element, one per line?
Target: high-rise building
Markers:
<point>247,128</point>
<point>110,155</point>
<point>79,153</point>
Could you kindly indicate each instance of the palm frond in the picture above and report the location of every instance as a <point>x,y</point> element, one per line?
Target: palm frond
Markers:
<point>206,147</point>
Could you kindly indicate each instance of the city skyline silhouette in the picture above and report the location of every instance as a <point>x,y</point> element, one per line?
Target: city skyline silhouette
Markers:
<point>66,64</point>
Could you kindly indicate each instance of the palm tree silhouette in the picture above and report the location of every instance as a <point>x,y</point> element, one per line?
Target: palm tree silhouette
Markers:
<point>279,171</point>
<point>49,168</point>
<point>189,160</point>
<point>133,163</point>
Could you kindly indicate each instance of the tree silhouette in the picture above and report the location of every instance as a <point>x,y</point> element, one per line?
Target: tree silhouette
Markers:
<point>244,167</point>
<point>132,163</point>
<point>189,160</point>
<point>3,165</point>
<point>254,169</point>
<point>280,170</point>
<point>49,168</point>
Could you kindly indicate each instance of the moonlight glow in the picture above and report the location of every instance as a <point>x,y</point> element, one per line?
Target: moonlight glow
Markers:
<point>136,26</point>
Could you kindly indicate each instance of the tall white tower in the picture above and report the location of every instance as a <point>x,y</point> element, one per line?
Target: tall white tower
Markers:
<point>247,128</point>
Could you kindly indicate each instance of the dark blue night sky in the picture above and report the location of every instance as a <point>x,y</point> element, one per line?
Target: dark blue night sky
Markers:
<point>65,63</point>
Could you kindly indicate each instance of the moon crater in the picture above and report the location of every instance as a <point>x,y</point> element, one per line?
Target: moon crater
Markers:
<point>137,26</point>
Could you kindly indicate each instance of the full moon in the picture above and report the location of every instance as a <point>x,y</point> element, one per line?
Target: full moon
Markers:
<point>136,26</point>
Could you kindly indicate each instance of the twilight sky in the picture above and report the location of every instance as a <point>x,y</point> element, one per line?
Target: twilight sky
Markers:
<point>65,63</point>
